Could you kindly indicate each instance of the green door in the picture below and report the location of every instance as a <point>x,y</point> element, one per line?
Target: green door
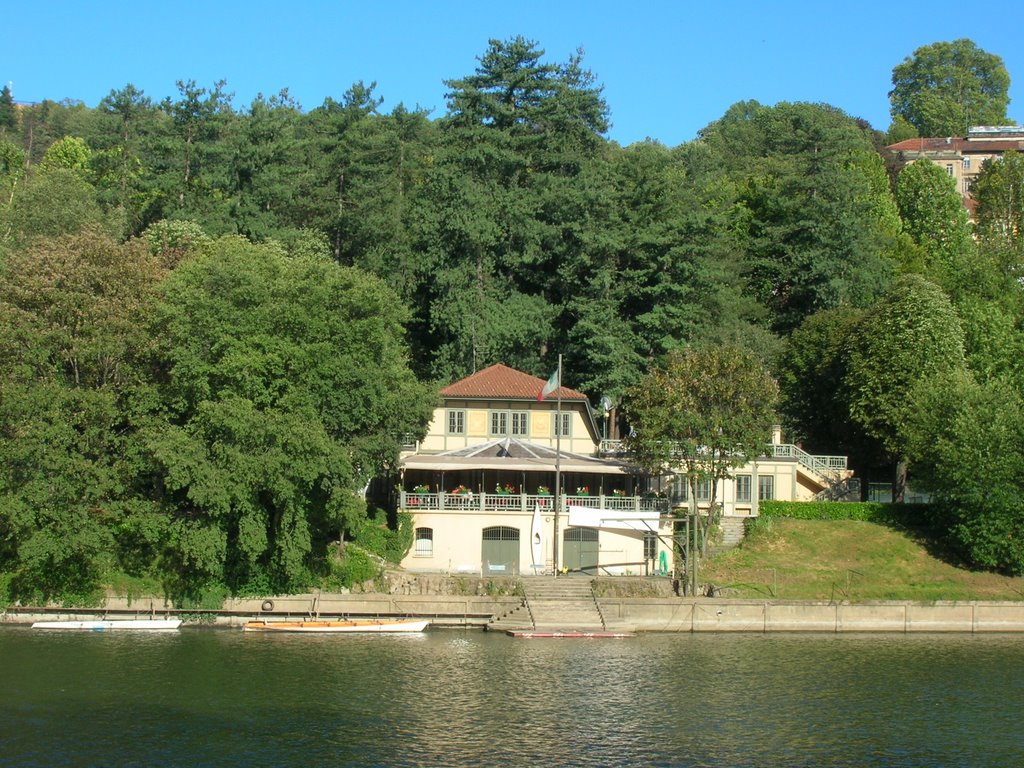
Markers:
<point>580,549</point>
<point>500,551</point>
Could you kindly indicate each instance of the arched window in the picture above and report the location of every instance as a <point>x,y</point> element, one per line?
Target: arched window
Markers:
<point>424,546</point>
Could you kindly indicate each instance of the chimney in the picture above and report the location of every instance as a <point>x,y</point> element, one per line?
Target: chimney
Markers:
<point>776,434</point>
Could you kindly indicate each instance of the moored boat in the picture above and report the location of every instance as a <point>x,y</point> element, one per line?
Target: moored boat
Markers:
<point>101,625</point>
<point>343,625</point>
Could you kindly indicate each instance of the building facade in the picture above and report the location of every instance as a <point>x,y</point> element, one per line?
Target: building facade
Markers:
<point>481,486</point>
<point>962,157</point>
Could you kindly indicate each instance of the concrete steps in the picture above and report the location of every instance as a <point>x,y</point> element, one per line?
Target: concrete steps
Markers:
<point>554,604</point>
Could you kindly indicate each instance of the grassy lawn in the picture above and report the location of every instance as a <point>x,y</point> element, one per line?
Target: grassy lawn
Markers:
<point>846,560</point>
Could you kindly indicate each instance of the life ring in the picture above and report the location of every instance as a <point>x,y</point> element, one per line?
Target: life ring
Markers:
<point>268,605</point>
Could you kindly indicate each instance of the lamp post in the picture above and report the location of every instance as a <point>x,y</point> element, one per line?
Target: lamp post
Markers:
<point>558,463</point>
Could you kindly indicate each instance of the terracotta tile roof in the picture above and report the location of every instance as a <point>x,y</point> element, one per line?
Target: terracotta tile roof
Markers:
<point>958,145</point>
<point>499,382</point>
<point>954,144</point>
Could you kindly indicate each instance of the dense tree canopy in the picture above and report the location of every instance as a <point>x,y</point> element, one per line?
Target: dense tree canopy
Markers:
<point>288,388</point>
<point>320,272</point>
<point>817,219</point>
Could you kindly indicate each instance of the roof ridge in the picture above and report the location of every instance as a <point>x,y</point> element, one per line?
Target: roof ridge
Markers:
<point>501,382</point>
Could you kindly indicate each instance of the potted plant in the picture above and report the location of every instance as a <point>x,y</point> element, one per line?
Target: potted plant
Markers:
<point>583,490</point>
<point>460,490</point>
<point>543,490</point>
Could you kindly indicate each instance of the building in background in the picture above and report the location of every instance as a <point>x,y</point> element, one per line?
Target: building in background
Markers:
<point>962,158</point>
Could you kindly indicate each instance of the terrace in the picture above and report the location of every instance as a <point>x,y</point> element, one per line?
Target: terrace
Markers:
<point>468,501</point>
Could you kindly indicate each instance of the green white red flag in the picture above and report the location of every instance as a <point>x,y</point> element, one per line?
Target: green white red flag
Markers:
<point>549,386</point>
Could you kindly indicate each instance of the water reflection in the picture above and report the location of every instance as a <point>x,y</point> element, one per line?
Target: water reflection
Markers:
<point>456,698</point>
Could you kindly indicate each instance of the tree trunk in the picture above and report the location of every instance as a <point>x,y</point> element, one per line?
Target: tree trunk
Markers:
<point>899,480</point>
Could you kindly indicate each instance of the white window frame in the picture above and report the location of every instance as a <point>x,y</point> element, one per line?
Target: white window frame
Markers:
<point>424,543</point>
<point>765,487</point>
<point>650,546</point>
<point>566,424</point>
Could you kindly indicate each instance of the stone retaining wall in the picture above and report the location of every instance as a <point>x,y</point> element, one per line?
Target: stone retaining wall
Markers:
<point>652,614</point>
<point>711,615</point>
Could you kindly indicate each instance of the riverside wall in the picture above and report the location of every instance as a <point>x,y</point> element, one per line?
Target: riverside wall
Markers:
<point>642,614</point>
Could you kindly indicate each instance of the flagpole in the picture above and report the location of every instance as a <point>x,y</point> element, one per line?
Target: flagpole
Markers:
<point>558,462</point>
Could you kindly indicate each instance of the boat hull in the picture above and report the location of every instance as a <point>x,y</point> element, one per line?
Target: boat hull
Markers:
<point>149,625</point>
<point>353,625</point>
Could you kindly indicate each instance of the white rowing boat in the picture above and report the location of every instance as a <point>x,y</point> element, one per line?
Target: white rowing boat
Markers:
<point>346,625</point>
<point>102,625</point>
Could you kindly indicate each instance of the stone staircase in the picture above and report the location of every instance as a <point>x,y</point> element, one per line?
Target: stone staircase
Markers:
<point>554,604</point>
<point>733,531</point>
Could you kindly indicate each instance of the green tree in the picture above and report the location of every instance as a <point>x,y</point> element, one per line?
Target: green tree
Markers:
<point>127,128</point>
<point>900,130</point>
<point>936,219</point>
<point>194,182</point>
<point>172,240</point>
<point>330,155</point>
<point>705,413</point>
<point>53,203</point>
<point>912,333</point>
<point>12,170</point>
<point>999,193</point>
<point>265,166</point>
<point>812,213</point>
<point>8,114</point>
<point>71,339</point>
<point>993,339</point>
<point>946,87</point>
<point>509,212</point>
<point>287,390</point>
<point>967,445</point>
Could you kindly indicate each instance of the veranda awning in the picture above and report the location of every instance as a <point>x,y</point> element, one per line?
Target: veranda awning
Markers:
<point>515,455</point>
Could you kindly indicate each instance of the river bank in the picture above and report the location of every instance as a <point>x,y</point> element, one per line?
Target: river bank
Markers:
<point>640,614</point>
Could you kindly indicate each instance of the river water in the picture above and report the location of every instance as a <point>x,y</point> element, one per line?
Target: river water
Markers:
<point>205,697</point>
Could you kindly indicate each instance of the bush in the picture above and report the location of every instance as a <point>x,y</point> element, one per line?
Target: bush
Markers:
<point>913,515</point>
<point>356,567</point>
<point>824,510</point>
<point>391,544</point>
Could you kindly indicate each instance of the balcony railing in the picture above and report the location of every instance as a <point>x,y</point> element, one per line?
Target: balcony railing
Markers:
<point>523,502</point>
<point>826,466</point>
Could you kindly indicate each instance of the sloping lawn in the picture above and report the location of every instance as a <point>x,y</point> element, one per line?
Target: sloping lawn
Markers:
<point>845,560</point>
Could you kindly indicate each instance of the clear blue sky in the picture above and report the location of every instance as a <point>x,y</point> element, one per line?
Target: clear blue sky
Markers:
<point>669,68</point>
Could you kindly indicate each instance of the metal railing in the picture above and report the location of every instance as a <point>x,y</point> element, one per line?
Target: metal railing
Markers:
<point>830,467</point>
<point>524,502</point>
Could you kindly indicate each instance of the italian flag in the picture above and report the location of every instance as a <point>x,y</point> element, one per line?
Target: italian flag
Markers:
<point>550,386</point>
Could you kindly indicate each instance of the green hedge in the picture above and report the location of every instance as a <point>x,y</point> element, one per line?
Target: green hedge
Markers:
<point>870,511</point>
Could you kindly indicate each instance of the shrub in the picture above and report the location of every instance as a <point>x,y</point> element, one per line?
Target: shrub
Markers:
<point>912,515</point>
<point>391,544</point>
